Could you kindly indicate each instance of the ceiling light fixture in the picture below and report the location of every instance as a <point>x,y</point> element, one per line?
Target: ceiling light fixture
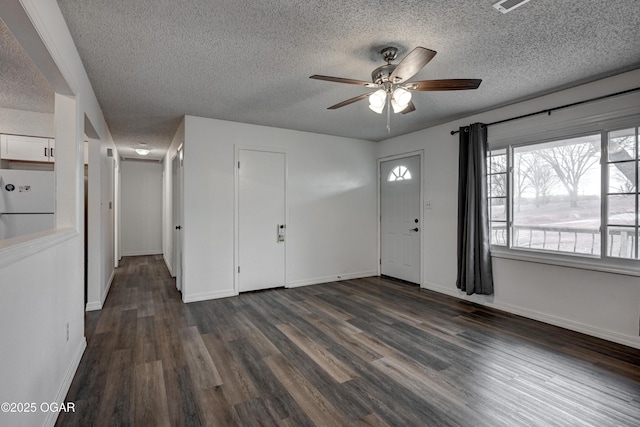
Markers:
<point>377,100</point>
<point>142,151</point>
<point>400,99</point>
<point>505,6</point>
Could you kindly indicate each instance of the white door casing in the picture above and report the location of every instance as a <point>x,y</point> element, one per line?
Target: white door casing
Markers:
<point>261,219</point>
<point>400,219</point>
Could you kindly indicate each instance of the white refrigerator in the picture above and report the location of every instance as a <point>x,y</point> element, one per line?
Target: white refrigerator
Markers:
<point>27,202</point>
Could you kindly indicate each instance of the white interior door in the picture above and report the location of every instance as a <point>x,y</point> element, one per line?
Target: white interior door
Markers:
<point>176,212</point>
<point>261,220</point>
<point>400,218</point>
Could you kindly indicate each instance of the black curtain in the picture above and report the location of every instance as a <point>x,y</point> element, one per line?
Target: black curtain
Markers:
<point>474,247</point>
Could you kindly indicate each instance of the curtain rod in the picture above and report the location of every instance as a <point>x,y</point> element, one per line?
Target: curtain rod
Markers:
<point>550,110</point>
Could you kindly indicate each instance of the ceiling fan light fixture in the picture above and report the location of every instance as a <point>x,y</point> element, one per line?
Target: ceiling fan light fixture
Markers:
<point>377,100</point>
<point>377,109</point>
<point>402,97</point>
<point>397,108</point>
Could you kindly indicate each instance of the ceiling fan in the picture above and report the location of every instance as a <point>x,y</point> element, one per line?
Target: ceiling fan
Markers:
<point>391,81</point>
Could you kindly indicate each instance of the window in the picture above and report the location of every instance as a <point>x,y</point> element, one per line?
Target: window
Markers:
<point>556,196</point>
<point>566,197</point>
<point>497,170</point>
<point>399,173</point>
<point>622,194</point>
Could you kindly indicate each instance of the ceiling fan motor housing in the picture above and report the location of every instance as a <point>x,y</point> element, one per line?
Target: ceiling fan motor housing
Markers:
<point>381,74</point>
<point>389,54</point>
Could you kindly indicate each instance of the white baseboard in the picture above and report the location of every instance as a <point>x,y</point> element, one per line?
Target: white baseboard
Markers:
<point>93,306</point>
<point>66,381</point>
<point>141,253</point>
<point>571,325</point>
<point>106,291</point>
<point>187,298</point>
<point>327,279</point>
<point>97,305</point>
<point>231,293</point>
<point>628,340</point>
<point>168,264</point>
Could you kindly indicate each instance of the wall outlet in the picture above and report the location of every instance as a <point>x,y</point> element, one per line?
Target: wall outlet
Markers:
<point>427,205</point>
<point>67,331</point>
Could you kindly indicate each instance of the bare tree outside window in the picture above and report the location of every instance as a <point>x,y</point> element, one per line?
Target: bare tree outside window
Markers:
<point>556,196</point>
<point>571,162</point>
<point>562,197</point>
<point>520,180</point>
<point>539,175</point>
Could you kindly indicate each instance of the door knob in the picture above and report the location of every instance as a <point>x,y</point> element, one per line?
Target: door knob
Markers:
<point>414,229</point>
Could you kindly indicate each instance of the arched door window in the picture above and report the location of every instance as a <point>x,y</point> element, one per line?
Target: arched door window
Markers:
<point>399,173</point>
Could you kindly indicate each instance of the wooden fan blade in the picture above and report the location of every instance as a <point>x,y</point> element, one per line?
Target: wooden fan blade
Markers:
<point>410,107</point>
<point>446,84</point>
<point>411,64</point>
<point>343,80</point>
<point>349,101</point>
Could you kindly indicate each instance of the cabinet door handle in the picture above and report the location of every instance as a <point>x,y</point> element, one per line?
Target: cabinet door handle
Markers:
<point>51,151</point>
<point>45,151</point>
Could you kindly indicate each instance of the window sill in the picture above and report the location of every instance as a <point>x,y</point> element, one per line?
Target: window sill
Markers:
<point>582,262</point>
<point>21,247</point>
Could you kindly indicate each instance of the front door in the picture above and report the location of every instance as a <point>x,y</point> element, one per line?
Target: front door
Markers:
<point>400,218</point>
<point>261,220</point>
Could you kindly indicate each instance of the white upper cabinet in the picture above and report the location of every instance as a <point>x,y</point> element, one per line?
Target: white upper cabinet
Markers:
<point>27,148</point>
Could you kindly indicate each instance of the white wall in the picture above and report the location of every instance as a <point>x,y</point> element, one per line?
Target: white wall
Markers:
<point>28,123</point>
<point>141,207</point>
<point>601,304</point>
<point>101,223</point>
<point>41,293</point>
<point>42,275</point>
<point>331,198</point>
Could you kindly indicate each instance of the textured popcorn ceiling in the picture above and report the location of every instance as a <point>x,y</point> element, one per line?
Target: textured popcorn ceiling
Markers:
<point>152,61</point>
<point>22,87</point>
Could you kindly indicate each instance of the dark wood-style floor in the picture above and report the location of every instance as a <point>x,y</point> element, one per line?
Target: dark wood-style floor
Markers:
<point>365,352</point>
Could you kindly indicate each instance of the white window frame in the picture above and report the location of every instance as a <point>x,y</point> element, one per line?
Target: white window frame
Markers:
<point>601,262</point>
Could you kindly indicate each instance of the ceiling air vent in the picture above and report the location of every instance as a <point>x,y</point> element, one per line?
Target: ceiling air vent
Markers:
<point>505,6</point>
